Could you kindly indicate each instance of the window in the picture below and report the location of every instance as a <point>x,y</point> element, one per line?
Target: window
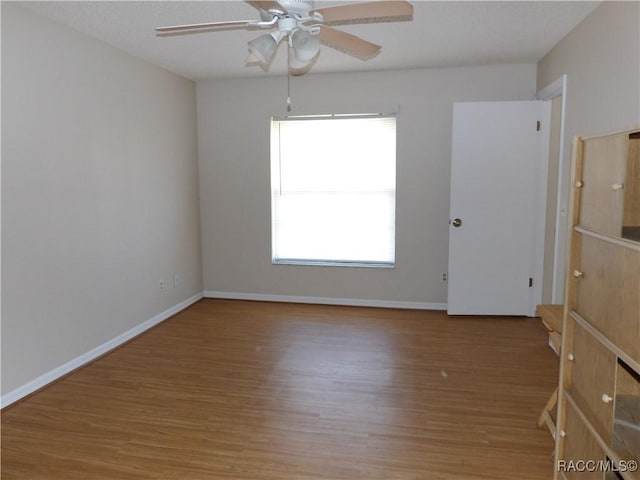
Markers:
<point>333,190</point>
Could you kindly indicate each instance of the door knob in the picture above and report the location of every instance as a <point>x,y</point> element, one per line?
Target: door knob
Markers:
<point>456,222</point>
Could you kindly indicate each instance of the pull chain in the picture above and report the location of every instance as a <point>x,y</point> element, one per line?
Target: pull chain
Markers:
<point>288,76</point>
<point>288,95</point>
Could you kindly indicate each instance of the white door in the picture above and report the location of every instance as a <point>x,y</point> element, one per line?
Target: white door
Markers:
<point>493,212</point>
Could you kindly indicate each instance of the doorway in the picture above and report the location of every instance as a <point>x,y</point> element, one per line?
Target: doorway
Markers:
<point>555,237</point>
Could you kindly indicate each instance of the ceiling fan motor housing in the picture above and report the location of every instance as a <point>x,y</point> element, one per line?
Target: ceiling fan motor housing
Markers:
<point>301,7</point>
<point>287,24</point>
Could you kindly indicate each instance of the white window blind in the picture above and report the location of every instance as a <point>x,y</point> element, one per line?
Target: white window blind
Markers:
<point>333,184</point>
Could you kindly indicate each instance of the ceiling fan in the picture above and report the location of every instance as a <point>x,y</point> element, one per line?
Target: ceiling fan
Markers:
<point>304,28</point>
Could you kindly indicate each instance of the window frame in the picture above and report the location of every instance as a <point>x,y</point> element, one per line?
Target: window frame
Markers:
<point>324,262</point>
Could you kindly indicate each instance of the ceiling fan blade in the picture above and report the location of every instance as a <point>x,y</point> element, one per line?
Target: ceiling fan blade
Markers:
<point>267,5</point>
<point>347,43</point>
<point>203,27</point>
<point>367,12</point>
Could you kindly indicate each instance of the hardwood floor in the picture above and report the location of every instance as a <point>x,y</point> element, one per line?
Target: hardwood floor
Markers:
<point>248,390</point>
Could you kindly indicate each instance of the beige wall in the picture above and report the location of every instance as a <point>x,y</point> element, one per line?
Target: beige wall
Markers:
<point>233,135</point>
<point>601,58</point>
<point>99,194</point>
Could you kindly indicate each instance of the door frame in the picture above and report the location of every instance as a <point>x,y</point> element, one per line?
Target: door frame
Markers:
<point>555,89</point>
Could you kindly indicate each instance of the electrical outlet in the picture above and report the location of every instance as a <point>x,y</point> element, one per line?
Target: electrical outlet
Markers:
<point>444,278</point>
<point>176,280</point>
<point>161,285</point>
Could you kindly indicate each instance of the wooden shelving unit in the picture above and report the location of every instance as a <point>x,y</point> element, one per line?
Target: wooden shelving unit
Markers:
<point>551,316</point>
<point>598,418</point>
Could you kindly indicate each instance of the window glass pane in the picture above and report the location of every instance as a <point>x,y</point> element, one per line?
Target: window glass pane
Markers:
<point>333,189</point>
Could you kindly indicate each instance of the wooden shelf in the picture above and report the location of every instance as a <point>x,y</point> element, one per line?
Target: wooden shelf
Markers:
<point>598,414</point>
<point>626,423</point>
<point>595,436</point>
<point>551,315</point>
<point>552,320</point>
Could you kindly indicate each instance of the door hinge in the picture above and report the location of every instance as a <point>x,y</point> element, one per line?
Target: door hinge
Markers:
<point>530,282</point>
<point>538,126</point>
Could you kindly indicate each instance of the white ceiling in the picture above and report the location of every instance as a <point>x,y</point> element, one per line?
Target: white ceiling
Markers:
<point>442,34</point>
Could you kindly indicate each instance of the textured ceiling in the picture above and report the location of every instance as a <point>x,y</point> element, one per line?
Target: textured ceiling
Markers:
<point>442,34</point>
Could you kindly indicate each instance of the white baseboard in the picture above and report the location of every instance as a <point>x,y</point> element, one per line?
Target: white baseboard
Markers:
<point>91,355</point>
<point>352,302</point>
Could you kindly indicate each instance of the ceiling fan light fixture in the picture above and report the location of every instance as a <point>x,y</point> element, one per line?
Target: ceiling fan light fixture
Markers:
<point>264,47</point>
<point>300,67</point>
<point>252,59</point>
<point>305,46</point>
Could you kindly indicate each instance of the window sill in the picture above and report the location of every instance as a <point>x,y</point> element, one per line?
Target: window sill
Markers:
<point>328,263</point>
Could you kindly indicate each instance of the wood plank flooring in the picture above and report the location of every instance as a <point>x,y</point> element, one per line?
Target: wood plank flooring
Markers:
<point>248,390</point>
